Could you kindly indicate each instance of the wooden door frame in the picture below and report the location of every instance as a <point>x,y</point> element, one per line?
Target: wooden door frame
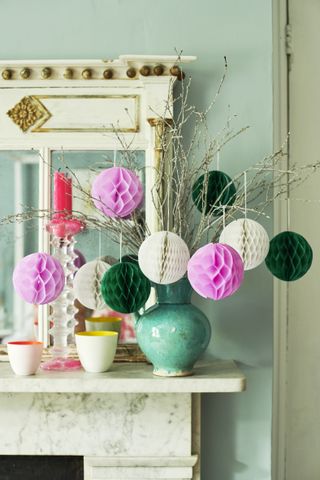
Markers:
<point>281,49</point>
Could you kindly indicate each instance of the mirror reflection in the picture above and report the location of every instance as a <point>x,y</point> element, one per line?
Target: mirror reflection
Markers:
<point>93,243</point>
<point>19,185</point>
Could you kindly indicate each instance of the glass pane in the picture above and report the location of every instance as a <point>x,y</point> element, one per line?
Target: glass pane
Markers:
<point>19,189</point>
<point>85,165</point>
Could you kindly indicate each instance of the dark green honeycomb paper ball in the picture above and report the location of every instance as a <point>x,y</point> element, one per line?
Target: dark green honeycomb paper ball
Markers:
<point>290,256</point>
<point>131,258</point>
<point>124,288</point>
<point>221,192</point>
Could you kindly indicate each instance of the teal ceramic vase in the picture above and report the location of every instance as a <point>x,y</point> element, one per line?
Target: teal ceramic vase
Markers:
<point>173,333</point>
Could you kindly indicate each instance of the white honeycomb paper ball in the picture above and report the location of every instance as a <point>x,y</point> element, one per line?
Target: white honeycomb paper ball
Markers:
<point>163,257</point>
<point>249,239</point>
<point>86,284</point>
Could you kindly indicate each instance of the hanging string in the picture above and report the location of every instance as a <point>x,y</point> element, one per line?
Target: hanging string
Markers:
<point>100,246</point>
<point>245,193</point>
<point>224,217</point>
<point>288,213</point>
<point>114,158</point>
<point>218,159</point>
<point>120,244</point>
<point>208,228</point>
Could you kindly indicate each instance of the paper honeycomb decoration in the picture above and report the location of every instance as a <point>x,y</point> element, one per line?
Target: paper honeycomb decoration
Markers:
<point>163,257</point>
<point>131,258</point>
<point>290,256</point>
<point>124,287</point>
<point>39,278</point>
<point>215,271</point>
<point>117,192</point>
<point>249,239</point>
<point>86,284</point>
<point>221,191</point>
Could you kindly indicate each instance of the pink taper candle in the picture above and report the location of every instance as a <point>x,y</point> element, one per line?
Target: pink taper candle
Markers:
<point>62,201</point>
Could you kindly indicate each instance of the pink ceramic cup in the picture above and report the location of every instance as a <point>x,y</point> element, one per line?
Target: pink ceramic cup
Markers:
<point>25,357</point>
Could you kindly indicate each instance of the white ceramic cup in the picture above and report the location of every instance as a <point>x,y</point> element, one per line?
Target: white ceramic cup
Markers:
<point>108,324</point>
<point>96,350</point>
<point>25,357</point>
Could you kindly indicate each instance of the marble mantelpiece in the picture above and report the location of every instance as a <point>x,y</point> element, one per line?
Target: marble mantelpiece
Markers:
<point>126,423</point>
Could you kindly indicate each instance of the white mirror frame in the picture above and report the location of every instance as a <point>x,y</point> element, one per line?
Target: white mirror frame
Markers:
<point>72,105</point>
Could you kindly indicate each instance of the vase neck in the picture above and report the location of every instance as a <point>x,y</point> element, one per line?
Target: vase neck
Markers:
<point>174,293</point>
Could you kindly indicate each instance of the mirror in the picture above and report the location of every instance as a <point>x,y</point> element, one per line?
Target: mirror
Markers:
<point>83,166</point>
<point>19,186</point>
<point>89,118</point>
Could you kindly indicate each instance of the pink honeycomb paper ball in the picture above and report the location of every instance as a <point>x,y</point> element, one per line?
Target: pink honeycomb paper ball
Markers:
<point>215,271</point>
<point>38,278</point>
<point>117,192</point>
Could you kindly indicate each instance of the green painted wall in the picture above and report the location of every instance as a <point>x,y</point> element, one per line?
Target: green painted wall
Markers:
<point>236,428</point>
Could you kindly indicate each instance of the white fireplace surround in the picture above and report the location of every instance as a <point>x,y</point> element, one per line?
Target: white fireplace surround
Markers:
<point>126,423</point>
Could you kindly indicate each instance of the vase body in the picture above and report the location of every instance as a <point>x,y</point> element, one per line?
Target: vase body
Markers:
<point>173,333</point>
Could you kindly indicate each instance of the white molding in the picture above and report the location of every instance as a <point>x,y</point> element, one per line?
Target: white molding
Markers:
<point>280,131</point>
<point>211,377</point>
<point>140,468</point>
<point>143,461</point>
<point>196,434</point>
<point>43,236</point>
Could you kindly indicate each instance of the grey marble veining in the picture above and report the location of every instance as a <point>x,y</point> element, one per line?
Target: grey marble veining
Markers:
<point>95,424</point>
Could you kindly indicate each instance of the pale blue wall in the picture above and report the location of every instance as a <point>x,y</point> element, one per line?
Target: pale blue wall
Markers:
<point>237,428</point>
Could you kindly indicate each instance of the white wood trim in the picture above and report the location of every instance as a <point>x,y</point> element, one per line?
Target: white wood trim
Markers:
<point>140,468</point>
<point>280,130</point>
<point>196,434</point>
<point>43,236</point>
<point>123,60</point>
<point>18,306</point>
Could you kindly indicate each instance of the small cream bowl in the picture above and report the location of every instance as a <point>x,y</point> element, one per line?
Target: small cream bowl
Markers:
<point>108,324</point>
<point>96,350</point>
<point>25,356</point>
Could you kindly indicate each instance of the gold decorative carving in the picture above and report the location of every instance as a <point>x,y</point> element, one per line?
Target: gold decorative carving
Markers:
<point>175,70</point>
<point>25,73</point>
<point>131,72</point>
<point>158,70</point>
<point>87,73</point>
<point>68,73</point>
<point>41,128</point>
<point>108,74</point>
<point>145,70</point>
<point>46,73</point>
<point>7,74</point>
<point>28,112</point>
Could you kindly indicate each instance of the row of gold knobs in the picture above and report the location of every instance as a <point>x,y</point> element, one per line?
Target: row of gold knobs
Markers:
<point>46,72</point>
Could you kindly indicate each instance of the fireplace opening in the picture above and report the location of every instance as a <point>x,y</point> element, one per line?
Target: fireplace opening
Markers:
<point>40,467</point>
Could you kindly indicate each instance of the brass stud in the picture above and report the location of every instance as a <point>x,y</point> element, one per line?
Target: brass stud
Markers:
<point>87,73</point>
<point>46,73</point>
<point>158,70</point>
<point>131,72</point>
<point>177,72</point>
<point>107,74</point>
<point>25,73</point>
<point>7,74</point>
<point>145,70</point>
<point>68,73</point>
